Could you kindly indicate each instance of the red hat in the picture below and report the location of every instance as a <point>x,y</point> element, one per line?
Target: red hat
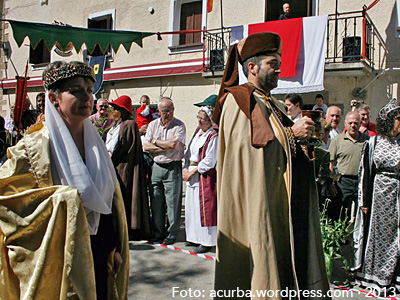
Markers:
<point>124,102</point>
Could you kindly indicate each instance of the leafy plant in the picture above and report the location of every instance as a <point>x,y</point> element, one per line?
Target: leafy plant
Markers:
<point>334,235</point>
<point>99,124</point>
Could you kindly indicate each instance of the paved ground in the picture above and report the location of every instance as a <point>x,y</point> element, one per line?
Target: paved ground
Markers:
<point>159,273</point>
<point>162,273</point>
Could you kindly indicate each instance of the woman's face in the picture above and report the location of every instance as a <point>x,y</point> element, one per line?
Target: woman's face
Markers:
<point>396,125</point>
<point>75,102</point>
<point>204,121</point>
<point>116,114</point>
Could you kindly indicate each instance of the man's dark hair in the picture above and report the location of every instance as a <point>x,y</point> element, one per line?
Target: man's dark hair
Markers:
<point>319,96</point>
<point>384,127</point>
<point>254,59</point>
<point>295,98</point>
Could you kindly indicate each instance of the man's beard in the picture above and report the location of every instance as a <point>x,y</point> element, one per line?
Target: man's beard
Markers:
<point>269,83</point>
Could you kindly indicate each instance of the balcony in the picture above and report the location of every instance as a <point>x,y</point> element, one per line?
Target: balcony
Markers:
<point>216,49</point>
<point>354,47</point>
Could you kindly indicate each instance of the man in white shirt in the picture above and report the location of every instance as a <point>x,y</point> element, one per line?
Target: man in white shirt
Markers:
<point>165,141</point>
<point>333,116</point>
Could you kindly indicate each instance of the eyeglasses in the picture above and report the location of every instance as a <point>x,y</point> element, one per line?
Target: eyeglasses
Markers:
<point>166,111</point>
<point>203,119</point>
<point>103,106</point>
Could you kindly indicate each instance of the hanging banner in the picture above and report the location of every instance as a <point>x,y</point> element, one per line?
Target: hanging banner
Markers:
<point>64,35</point>
<point>290,31</point>
<point>98,64</point>
<point>305,74</point>
<point>20,99</point>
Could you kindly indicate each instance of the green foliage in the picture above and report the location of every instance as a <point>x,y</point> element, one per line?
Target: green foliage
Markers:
<point>334,235</point>
<point>98,123</point>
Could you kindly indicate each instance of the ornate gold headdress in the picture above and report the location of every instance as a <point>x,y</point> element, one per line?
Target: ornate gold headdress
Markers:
<point>60,70</point>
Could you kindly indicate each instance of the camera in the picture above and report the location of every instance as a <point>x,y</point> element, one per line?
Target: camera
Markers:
<point>356,102</point>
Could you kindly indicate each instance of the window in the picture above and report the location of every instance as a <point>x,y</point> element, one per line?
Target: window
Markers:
<point>190,20</point>
<point>40,55</point>
<point>187,15</point>
<point>298,8</point>
<point>102,20</point>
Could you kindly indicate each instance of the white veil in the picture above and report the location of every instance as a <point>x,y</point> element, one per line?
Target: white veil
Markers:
<point>96,180</point>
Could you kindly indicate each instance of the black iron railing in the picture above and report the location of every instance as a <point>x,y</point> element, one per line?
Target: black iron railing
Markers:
<point>352,37</point>
<point>216,48</point>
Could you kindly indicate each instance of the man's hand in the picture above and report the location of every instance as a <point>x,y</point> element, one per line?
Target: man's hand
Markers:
<point>117,262</point>
<point>143,129</point>
<point>150,147</point>
<point>168,144</point>
<point>353,104</point>
<point>303,128</point>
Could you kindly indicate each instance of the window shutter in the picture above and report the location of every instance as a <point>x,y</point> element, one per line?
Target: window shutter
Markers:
<point>190,20</point>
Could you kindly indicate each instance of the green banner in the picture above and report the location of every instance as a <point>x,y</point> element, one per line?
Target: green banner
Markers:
<point>51,34</point>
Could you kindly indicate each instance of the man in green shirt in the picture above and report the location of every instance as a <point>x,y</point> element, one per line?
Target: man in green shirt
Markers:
<point>345,151</point>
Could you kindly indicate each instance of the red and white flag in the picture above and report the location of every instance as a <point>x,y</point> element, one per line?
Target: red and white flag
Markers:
<point>303,52</point>
<point>209,5</point>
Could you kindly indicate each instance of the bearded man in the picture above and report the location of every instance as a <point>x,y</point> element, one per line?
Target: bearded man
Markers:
<point>268,219</point>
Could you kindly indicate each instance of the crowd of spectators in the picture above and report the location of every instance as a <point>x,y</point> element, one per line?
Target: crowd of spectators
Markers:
<point>363,173</point>
<point>356,168</point>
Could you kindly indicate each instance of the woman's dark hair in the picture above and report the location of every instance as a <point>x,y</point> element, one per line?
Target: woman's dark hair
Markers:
<point>125,115</point>
<point>384,127</point>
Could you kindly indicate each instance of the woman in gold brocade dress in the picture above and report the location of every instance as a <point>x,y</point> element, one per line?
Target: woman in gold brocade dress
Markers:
<point>63,231</point>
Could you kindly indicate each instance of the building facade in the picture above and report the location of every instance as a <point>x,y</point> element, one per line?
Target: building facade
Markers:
<point>359,64</point>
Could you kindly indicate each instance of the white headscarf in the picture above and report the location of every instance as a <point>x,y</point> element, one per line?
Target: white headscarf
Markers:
<point>209,113</point>
<point>96,180</point>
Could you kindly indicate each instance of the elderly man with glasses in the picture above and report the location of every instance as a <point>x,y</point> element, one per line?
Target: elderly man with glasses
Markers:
<point>165,141</point>
<point>101,118</point>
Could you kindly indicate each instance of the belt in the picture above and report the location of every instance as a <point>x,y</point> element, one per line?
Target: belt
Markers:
<point>193,163</point>
<point>350,176</point>
<point>166,165</point>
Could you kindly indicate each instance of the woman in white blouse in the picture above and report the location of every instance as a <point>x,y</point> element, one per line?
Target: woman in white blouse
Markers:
<point>201,189</point>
